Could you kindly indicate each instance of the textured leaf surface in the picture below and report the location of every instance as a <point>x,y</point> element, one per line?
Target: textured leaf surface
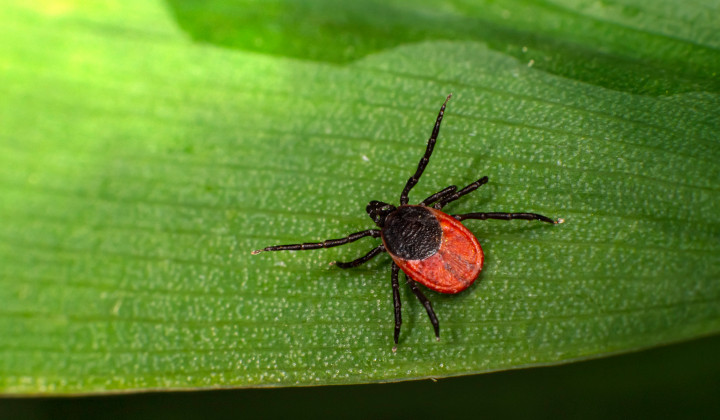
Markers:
<point>139,168</point>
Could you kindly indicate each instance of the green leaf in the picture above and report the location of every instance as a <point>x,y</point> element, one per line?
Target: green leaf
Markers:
<point>147,148</point>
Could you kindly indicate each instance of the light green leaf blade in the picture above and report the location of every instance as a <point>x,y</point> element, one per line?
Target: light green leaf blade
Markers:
<point>139,169</point>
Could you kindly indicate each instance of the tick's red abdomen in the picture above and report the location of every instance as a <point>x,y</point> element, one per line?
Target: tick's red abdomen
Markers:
<point>456,264</point>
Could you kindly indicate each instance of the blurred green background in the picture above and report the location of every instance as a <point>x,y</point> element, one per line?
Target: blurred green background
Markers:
<point>678,381</point>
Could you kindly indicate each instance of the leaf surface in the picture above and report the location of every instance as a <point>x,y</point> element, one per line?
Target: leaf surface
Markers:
<point>141,163</point>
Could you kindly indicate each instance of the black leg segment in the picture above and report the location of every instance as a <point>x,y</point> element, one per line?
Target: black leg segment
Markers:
<point>396,302</point>
<point>362,260</point>
<point>505,216</point>
<point>439,196</point>
<point>426,157</point>
<point>467,190</point>
<point>375,233</point>
<point>426,303</point>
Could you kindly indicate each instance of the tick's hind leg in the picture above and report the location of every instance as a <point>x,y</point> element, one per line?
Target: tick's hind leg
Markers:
<point>375,233</point>
<point>426,303</point>
<point>362,260</point>
<point>505,216</point>
<point>396,303</point>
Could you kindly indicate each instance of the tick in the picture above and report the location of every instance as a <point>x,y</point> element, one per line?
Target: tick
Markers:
<point>431,247</point>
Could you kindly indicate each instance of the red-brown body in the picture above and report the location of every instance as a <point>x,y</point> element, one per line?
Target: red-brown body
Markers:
<point>456,264</point>
<point>431,247</point>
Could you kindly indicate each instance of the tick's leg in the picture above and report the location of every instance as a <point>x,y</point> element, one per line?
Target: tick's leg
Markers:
<point>375,233</point>
<point>439,195</point>
<point>467,190</point>
<point>396,303</point>
<point>426,303</point>
<point>362,260</point>
<point>505,216</point>
<point>426,157</point>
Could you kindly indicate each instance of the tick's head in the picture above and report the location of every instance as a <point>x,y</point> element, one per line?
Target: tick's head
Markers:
<point>379,211</point>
